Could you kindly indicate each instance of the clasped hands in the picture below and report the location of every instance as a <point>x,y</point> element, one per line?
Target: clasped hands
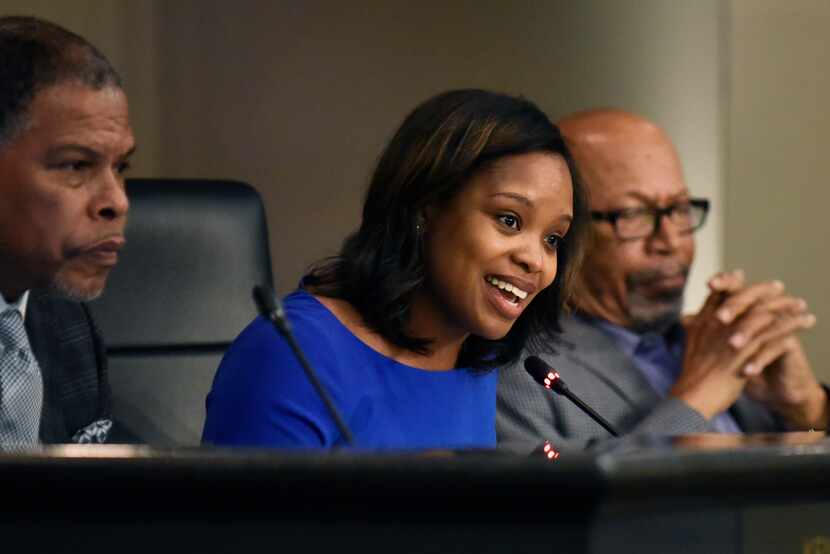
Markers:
<point>744,338</point>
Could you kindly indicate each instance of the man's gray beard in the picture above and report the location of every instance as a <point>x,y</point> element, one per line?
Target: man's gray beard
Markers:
<point>652,314</point>
<point>67,291</point>
<point>655,316</point>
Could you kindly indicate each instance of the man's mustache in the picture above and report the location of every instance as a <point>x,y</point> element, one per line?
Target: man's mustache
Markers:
<point>650,276</point>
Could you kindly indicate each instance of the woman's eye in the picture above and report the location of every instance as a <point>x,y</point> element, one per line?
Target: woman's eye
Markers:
<point>553,241</point>
<point>123,167</point>
<point>510,221</point>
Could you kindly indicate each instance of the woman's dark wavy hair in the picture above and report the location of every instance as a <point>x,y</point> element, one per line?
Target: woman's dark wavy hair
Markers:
<point>439,146</point>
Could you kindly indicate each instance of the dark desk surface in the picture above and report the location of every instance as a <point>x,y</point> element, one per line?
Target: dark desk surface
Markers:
<point>692,494</point>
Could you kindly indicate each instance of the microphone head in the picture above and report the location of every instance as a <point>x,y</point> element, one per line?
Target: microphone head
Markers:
<point>543,374</point>
<point>270,306</point>
<point>264,298</point>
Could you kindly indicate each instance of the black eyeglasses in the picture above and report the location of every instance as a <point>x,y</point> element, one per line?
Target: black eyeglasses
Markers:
<point>636,223</point>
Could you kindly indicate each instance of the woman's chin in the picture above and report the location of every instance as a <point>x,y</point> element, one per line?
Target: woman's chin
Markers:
<point>494,331</point>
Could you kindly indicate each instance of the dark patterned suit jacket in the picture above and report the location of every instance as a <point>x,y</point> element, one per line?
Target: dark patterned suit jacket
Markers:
<point>607,380</point>
<point>69,350</point>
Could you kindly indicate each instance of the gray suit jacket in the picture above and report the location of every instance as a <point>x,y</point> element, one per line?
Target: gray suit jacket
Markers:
<point>597,371</point>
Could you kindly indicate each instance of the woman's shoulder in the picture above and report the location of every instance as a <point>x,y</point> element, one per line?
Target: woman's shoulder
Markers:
<point>302,304</point>
<point>324,325</point>
<point>308,312</point>
<point>261,393</point>
<point>263,350</point>
<point>350,321</point>
<point>306,318</point>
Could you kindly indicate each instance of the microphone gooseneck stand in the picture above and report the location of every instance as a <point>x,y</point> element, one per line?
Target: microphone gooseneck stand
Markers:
<point>271,308</point>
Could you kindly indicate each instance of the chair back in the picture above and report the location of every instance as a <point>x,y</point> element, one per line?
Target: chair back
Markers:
<point>181,292</point>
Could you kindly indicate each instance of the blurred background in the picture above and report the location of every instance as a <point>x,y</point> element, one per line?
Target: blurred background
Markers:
<point>297,98</point>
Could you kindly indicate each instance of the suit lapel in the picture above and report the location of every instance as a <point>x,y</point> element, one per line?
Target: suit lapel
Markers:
<point>597,353</point>
<point>41,327</point>
<point>752,417</point>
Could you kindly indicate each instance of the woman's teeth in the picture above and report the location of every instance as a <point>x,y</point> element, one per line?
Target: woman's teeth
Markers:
<point>505,286</point>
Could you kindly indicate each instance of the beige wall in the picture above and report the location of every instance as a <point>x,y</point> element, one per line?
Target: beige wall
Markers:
<point>777,194</point>
<point>298,98</point>
<point>126,32</point>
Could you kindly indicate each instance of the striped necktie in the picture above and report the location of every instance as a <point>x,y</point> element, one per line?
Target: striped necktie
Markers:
<point>21,385</point>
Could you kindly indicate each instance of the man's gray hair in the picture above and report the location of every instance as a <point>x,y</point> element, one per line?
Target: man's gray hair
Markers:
<point>36,54</point>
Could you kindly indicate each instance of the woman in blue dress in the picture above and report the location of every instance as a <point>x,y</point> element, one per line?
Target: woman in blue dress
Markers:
<point>471,233</point>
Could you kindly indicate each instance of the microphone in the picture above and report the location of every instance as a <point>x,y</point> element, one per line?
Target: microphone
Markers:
<point>270,306</point>
<point>546,376</point>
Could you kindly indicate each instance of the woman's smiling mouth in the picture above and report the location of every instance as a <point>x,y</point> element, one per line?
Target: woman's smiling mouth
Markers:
<point>507,297</point>
<point>511,292</point>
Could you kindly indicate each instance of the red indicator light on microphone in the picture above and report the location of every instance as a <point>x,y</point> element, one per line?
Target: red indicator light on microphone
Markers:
<point>550,378</point>
<point>550,452</point>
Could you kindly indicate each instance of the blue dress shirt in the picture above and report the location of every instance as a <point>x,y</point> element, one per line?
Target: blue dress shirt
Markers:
<point>660,358</point>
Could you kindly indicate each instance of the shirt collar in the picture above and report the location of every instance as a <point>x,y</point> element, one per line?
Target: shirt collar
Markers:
<point>20,305</point>
<point>628,340</point>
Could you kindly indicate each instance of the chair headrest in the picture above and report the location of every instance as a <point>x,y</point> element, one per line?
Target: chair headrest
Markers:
<point>194,251</point>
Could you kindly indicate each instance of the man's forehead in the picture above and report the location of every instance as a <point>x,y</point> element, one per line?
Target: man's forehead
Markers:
<point>630,163</point>
<point>74,112</point>
<point>79,103</point>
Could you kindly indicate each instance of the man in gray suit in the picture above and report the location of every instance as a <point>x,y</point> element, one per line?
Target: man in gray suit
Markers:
<point>65,141</point>
<point>735,366</point>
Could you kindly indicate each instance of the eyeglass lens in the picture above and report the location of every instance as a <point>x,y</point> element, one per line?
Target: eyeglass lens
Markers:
<point>641,223</point>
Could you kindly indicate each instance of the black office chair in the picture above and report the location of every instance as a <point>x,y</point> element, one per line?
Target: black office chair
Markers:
<point>179,295</point>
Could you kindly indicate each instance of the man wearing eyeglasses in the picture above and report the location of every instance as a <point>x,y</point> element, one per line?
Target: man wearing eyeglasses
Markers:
<point>735,366</point>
